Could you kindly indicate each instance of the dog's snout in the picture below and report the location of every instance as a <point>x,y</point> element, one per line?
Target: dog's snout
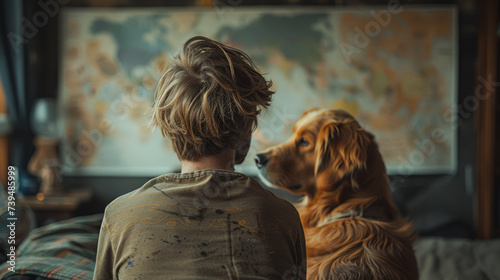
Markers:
<point>261,159</point>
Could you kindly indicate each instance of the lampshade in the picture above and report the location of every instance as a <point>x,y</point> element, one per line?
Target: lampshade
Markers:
<point>44,118</point>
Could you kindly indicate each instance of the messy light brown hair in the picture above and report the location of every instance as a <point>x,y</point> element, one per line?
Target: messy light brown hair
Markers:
<point>209,98</point>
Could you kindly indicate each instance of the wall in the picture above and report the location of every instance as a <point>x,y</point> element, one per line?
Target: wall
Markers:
<point>4,152</point>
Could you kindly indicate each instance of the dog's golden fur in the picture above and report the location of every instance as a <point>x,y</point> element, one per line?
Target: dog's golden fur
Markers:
<point>337,165</point>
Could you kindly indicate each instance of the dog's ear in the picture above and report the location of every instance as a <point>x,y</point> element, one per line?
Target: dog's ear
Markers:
<point>341,146</point>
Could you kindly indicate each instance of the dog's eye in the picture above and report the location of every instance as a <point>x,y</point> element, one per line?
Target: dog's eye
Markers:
<point>303,142</point>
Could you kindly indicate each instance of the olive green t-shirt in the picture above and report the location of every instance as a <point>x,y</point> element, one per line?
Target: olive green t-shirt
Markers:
<point>207,224</point>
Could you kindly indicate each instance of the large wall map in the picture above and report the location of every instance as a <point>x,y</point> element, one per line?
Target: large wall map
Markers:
<point>393,68</point>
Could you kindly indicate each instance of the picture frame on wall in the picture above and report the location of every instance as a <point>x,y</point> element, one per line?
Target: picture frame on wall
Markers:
<point>394,69</point>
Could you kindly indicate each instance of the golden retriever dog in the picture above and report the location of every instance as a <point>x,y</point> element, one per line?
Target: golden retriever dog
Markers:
<point>350,222</point>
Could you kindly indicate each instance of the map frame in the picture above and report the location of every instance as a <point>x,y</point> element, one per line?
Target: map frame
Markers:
<point>70,169</point>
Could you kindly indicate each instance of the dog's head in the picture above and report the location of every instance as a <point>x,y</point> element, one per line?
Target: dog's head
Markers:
<point>326,146</point>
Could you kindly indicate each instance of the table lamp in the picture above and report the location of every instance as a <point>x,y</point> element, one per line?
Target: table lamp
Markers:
<point>45,161</point>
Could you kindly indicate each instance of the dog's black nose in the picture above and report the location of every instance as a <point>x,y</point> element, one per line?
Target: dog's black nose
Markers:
<point>261,160</point>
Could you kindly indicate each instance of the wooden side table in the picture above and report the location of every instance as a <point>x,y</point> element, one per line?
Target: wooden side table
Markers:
<point>56,207</point>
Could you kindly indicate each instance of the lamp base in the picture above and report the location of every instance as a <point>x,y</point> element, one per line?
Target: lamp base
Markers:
<point>45,164</point>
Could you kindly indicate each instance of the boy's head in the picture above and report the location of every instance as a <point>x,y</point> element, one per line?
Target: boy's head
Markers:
<point>208,100</point>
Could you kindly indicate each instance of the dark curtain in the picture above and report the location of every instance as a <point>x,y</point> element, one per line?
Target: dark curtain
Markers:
<point>12,73</point>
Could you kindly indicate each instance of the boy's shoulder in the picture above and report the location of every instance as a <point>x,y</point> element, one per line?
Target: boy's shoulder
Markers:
<point>176,186</point>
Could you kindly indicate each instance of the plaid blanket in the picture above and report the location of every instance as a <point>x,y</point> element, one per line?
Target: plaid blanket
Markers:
<point>62,250</point>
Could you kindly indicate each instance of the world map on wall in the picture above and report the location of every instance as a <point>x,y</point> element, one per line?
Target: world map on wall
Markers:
<point>394,69</point>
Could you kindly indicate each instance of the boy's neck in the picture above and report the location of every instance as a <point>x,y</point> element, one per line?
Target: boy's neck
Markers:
<point>224,161</point>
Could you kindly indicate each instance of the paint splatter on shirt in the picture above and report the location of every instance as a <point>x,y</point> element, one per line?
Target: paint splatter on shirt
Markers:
<point>208,224</point>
